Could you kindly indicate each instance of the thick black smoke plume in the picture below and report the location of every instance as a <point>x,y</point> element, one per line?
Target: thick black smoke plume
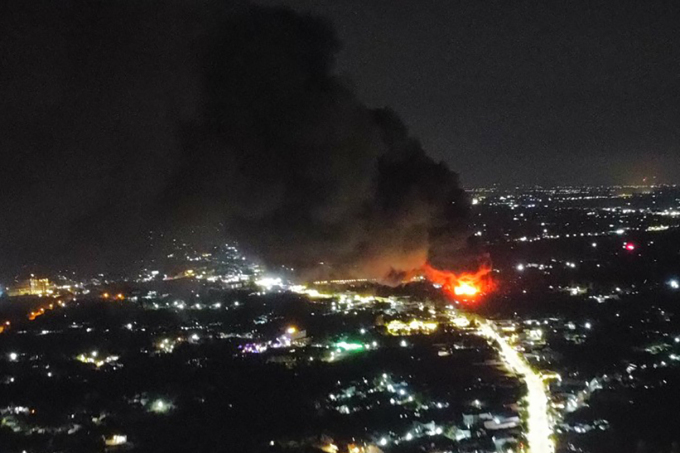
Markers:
<point>220,114</point>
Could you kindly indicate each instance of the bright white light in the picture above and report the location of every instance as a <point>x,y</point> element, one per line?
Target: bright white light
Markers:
<point>409,436</point>
<point>269,282</point>
<point>13,356</point>
<point>160,406</point>
<point>520,267</point>
<point>194,337</point>
<point>362,331</point>
<point>588,325</point>
<point>620,231</point>
<point>116,439</point>
<point>383,442</point>
<point>403,343</point>
<point>538,420</point>
<point>594,244</point>
<point>675,284</point>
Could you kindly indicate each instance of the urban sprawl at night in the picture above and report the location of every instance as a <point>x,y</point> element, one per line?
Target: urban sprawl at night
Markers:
<point>571,343</point>
<point>339,226</point>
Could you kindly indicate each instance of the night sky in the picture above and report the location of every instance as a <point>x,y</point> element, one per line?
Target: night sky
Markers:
<point>120,118</point>
<point>523,91</point>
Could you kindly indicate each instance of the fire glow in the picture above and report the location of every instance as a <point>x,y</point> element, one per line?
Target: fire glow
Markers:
<point>465,285</point>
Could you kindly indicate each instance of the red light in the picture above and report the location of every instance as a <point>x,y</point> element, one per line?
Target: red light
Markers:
<point>466,285</point>
<point>629,246</point>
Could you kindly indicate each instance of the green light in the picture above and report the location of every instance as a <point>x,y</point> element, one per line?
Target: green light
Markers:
<point>349,346</point>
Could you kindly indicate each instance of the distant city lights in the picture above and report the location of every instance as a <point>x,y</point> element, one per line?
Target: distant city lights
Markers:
<point>397,327</point>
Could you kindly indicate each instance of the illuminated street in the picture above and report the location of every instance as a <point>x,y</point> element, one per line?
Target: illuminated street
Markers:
<point>329,226</point>
<point>538,419</point>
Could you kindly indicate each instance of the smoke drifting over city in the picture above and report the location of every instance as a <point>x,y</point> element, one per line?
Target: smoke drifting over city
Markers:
<point>210,114</point>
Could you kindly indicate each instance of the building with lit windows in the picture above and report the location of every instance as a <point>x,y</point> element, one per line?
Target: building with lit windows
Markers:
<point>31,287</point>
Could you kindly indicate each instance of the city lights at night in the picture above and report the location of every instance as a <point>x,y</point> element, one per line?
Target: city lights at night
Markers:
<point>322,226</point>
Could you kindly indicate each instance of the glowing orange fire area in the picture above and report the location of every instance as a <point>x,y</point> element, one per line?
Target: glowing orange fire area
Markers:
<point>465,285</point>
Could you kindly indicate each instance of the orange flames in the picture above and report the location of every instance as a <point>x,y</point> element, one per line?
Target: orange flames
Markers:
<point>465,285</point>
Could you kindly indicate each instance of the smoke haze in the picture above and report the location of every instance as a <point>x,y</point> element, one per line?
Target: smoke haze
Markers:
<point>141,118</point>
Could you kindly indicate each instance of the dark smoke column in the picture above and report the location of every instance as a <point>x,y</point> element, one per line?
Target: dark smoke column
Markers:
<point>301,170</point>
